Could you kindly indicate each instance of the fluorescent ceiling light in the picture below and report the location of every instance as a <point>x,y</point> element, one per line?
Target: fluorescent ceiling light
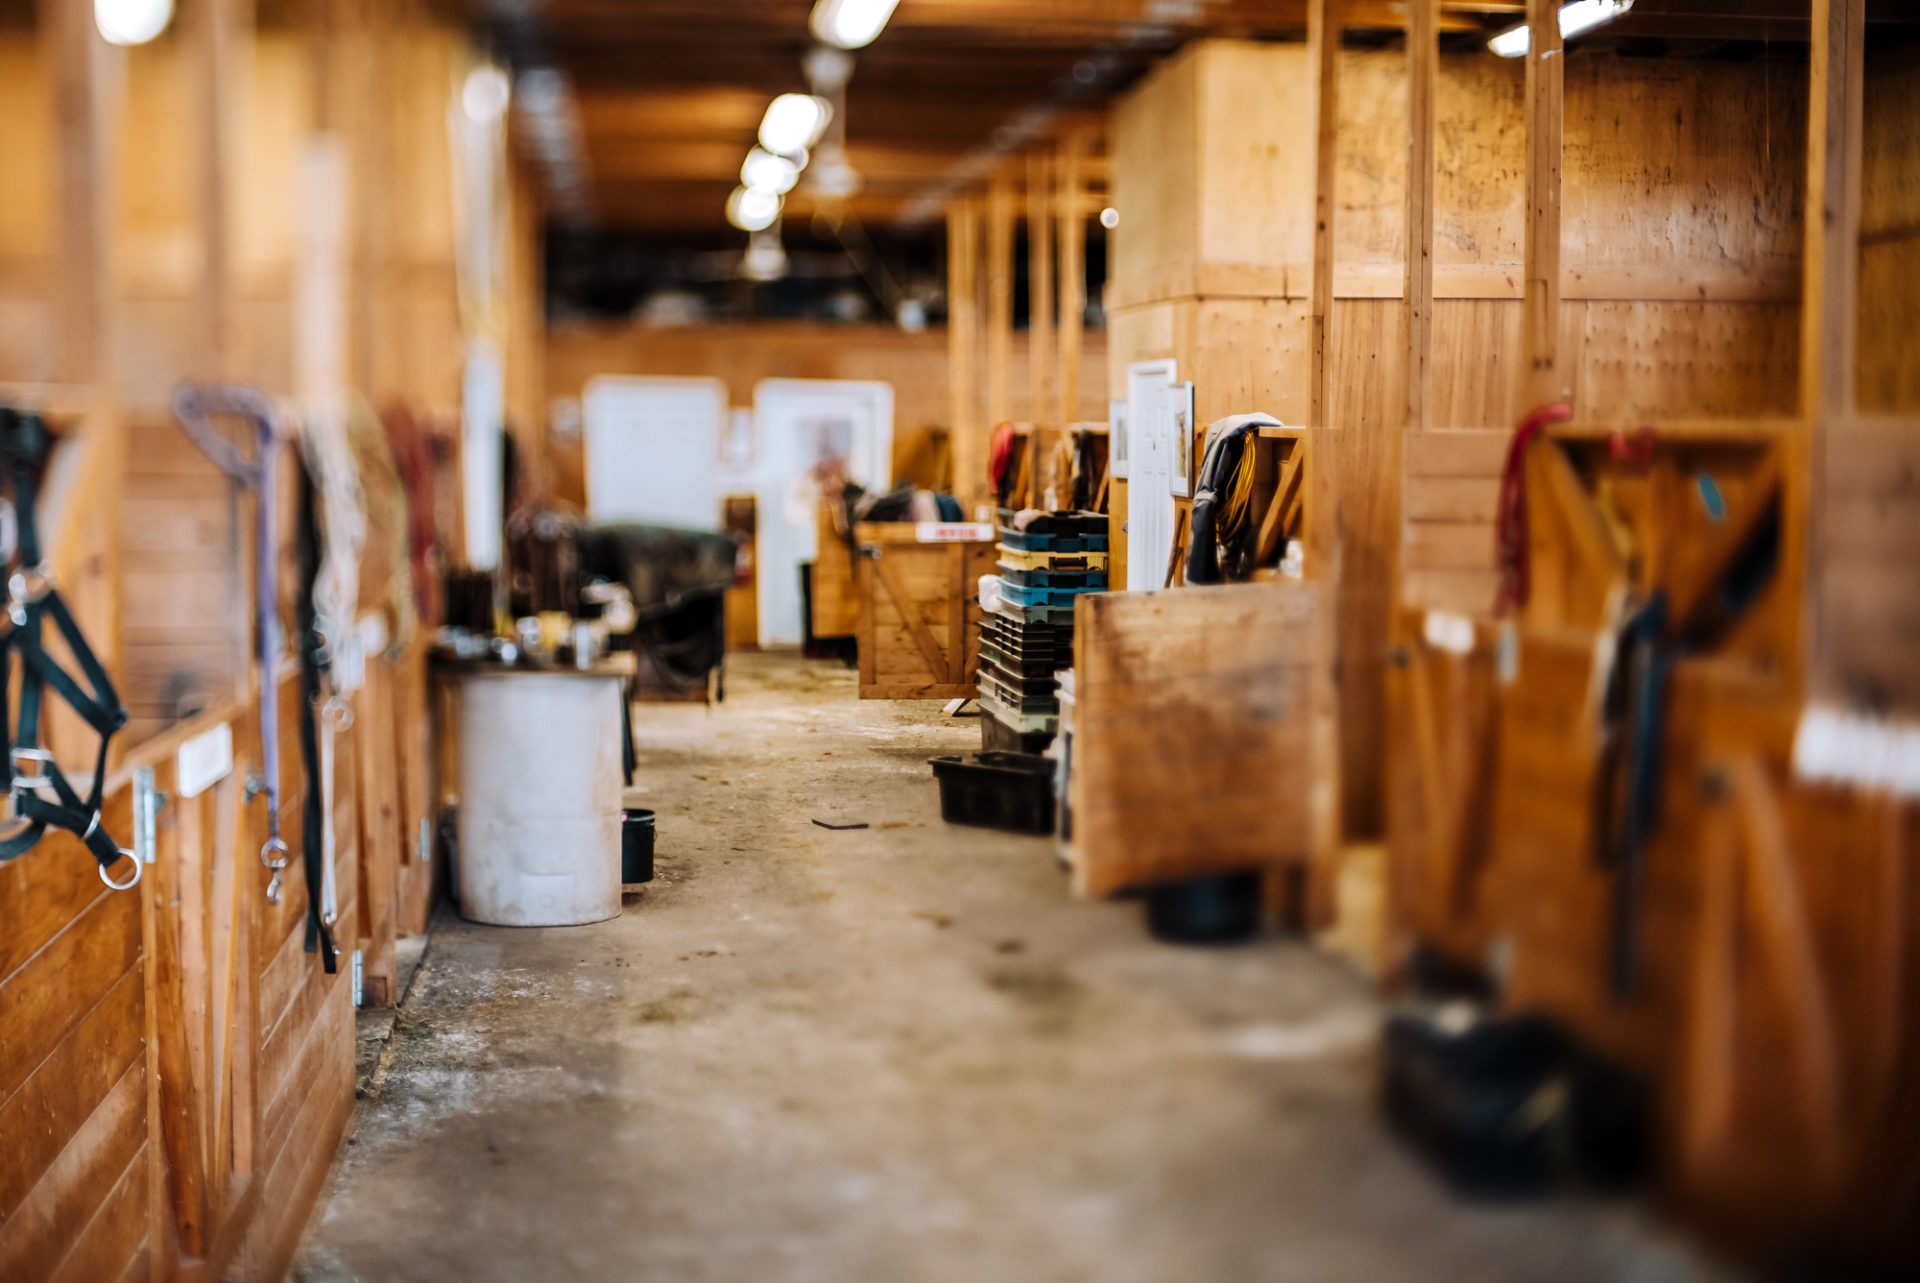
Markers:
<point>793,122</point>
<point>1576,18</point>
<point>753,211</point>
<point>131,22</point>
<point>766,172</point>
<point>485,94</point>
<point>851,24</point>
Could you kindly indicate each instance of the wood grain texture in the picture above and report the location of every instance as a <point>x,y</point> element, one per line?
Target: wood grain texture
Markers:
<point>919,614</point>
<point>1195,733</point>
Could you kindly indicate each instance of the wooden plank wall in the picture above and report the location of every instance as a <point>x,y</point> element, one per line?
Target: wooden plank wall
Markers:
<point>176,1069</point>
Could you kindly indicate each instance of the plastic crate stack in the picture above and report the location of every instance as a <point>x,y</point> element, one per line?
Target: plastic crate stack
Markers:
<point>1043,568</point>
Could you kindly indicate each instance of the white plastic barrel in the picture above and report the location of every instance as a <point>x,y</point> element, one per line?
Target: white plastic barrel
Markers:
<point>540,781</point>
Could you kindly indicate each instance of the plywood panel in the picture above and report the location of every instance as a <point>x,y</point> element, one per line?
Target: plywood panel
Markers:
<point>1253,187</point>
<point>1201,727</point>
<point>1155,172</point>
<point>1684,168</point>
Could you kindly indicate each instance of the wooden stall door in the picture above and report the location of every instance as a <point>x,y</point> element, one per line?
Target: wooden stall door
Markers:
<point>919,614</point>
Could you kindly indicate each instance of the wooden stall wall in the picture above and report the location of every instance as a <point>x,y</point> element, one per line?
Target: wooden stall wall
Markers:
<point>1680,282</point>
<point>915,364</point>
<point>175,1068</point>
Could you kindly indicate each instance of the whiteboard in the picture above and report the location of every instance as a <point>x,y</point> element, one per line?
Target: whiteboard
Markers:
<point>805,423</point>
<point>653,450</point>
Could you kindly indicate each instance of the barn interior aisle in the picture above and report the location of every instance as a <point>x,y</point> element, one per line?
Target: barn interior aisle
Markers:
<point>896,1052</point>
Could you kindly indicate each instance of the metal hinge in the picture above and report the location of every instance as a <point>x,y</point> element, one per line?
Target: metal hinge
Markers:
<point>423,845</point>
<point>359,977</point>
<point>147,801</point>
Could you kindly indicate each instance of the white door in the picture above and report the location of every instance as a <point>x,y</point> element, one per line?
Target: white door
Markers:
<point>1150,506</point>
<point>811,431</point>
<point>653,448</point>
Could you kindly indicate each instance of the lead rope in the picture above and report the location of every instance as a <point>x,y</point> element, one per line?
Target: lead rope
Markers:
<point>194,408</point>
<point>32,599</point>
<point>317,822</point>
<point>336,591</point>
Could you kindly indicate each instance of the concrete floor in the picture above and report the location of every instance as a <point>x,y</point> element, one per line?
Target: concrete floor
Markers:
<point>893,1055</point>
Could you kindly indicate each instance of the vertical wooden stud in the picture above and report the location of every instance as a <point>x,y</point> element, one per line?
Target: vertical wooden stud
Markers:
<point>214,38</point>
<point>967,445</point>
<point>87,76</point>
<point>1545,95</point>
<point>1070,210</point>
<point>999,300</point>
<point>1423,57</point>
<point>1323,44</point>
<point>1830,267</point>
<point>1040,365</point>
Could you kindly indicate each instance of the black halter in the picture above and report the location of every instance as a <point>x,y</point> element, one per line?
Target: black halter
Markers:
<point>43,798</point>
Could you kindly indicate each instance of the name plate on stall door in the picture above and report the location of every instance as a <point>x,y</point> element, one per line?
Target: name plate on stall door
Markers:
<point>204,760</point>
<point>956,532</point>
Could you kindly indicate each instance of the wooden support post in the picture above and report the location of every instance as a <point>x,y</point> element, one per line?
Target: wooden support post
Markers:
<point>1070,210</point>
<point>1830,307</point>
<point>999,301</point>
<point>213,30</point>
<point>1830,266</point>
<point>1423,57</point>
<point>1546,78</point>
<point>1040,288</point>
<point>1323,43</point>
<point>966,441</point>
<point>87,75</point>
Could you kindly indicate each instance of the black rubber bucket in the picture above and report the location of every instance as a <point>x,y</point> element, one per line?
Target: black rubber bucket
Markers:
<point>1217,910</point>
<point>636,845</point>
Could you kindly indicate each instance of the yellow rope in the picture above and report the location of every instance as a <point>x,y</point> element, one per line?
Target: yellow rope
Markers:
<point>1233,517</point>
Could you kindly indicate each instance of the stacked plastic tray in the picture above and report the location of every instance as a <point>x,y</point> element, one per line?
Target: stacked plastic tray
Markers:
<point>1043,568</point>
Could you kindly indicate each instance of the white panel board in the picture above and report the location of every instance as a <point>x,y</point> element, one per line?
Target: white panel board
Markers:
<point>653,450</point>
<point>1150,508</point>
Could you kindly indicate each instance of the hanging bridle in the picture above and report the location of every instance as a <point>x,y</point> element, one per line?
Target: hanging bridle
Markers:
<point>42,795</point>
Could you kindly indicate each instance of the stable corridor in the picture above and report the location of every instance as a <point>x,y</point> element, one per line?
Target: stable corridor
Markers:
<point>896,1053</point>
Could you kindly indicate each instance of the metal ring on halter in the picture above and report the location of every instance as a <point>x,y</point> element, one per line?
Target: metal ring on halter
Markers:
<point>278,848</point>
<point>131,882</point>
<point>340,711</point>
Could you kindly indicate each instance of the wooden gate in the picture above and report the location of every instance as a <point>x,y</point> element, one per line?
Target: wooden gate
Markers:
<point>920,613</point>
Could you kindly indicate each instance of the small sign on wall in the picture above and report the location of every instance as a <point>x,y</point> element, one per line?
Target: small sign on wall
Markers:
<point>952,532</point>
<point>204,760</point>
